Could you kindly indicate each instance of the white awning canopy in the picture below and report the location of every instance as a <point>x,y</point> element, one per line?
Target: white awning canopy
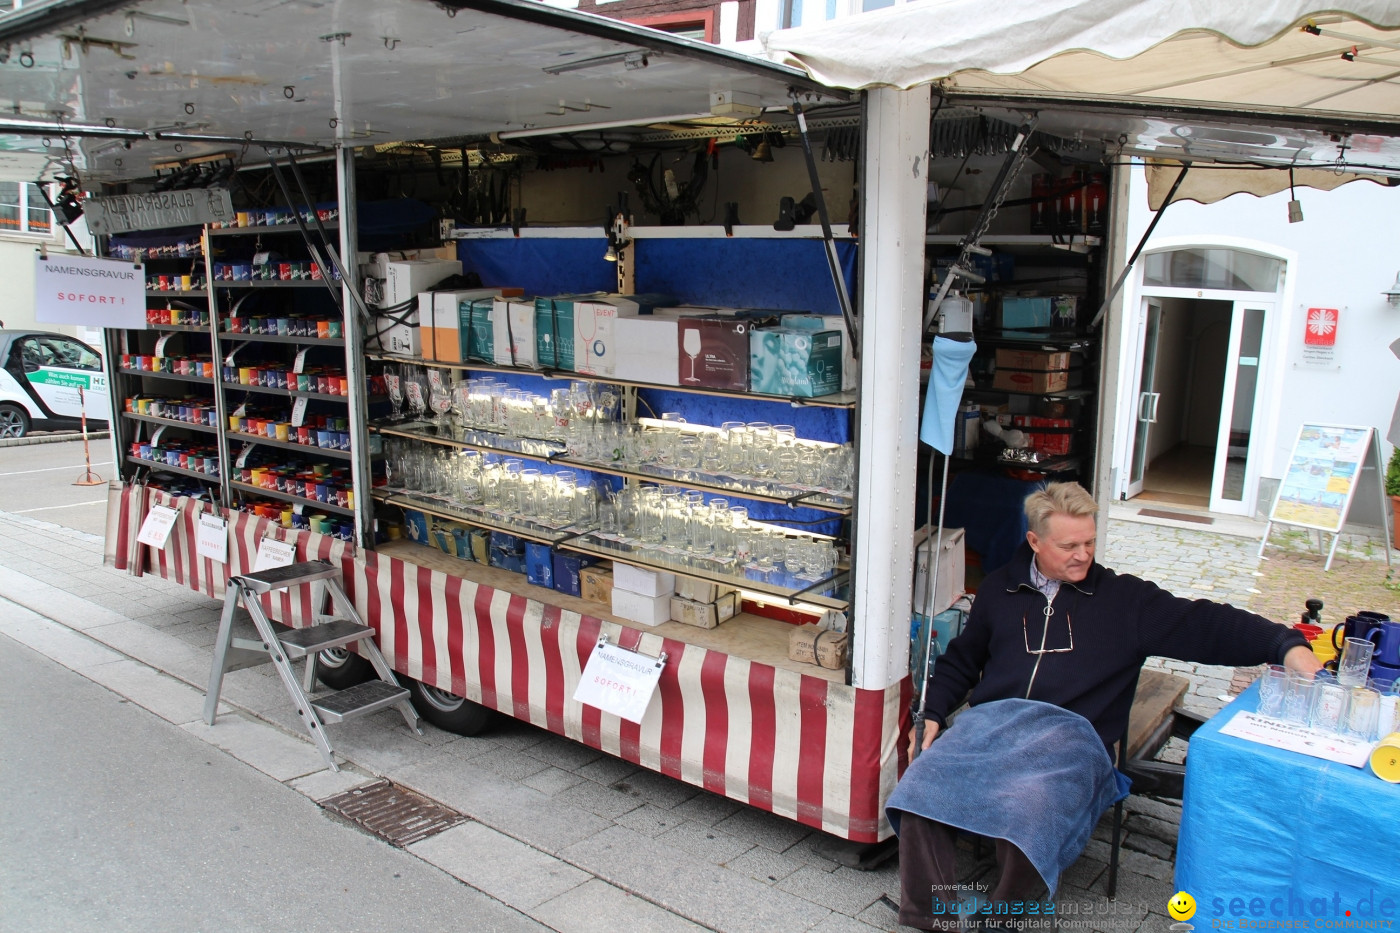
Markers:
<point>1277,81</point>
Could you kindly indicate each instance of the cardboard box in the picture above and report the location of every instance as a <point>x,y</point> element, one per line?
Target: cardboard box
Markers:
<point>700,590</point>
<point>647,350</point>
<point>648,610</point>
<point>480,545</point>
<point>1014,380</point>
<point>811,644</point>
<point>595,334</point>
<point>568,570</point>
<point>406,278</point>
<point>714,353</point>
<point>445,339</point>
<point>554,331</point>
<point>418,527</point>
<point>513,333</point>
<point>952,570</point>
<point>399,335</point>
<point>479,334</point>
<point>1039,361</point>
<point>704,614</point>
<point>644,582</point>
<point>794,362</point>
<point>507,552</point>
<point>452,538</point>
<point>596,584</point>
<point>539,564</point>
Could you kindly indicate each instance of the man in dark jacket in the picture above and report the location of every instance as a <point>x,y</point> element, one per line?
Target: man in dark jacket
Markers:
<point>1056,627</point>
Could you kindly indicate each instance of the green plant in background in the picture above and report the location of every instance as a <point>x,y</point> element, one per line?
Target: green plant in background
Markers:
<point>1392,474</point>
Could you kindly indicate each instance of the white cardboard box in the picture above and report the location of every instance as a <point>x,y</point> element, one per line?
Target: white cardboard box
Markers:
<point>595,334</point>
<point>648,610</point>
<point>644,582</point>
<point>704,614</point>
<point>406,278</point>
<point>952,570</point>
<point>701,591</point>
<point>400,339</point>
<point>513,329</point>
<point>647,350</point>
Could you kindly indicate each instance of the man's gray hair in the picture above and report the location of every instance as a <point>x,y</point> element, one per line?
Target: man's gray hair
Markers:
<point>1057,499</point>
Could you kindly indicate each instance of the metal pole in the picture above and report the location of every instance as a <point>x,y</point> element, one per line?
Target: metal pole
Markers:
<point>354,329</point>
<point>1123,276</point>
<point>928,625</point>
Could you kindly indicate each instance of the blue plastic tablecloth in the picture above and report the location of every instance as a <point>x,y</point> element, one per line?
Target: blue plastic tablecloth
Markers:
<point>1269,835</point>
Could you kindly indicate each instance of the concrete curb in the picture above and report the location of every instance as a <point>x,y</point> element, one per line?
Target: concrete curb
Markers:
<point>57,438</point>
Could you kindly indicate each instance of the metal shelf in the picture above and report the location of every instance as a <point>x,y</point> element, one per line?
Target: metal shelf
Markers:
<point>274,228</point>
<point>270,390</point>
<point>836,400</point>
<point>306,449</point>
<point>231,337</point>
<point>167,468</point>
<point>252,490</point>
<point>171,422</point>
<point>473,516</point>
<point>180,328</point>
<point>172,293</point>
<point>276,283</point>
<point>176,376</point>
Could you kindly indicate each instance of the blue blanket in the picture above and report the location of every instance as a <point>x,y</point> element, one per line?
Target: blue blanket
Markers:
<point>1028,772</point>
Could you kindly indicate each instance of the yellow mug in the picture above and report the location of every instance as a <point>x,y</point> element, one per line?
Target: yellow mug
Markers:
<point>1385,758</point>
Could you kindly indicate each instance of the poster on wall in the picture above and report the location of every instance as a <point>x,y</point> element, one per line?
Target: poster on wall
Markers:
<point>1321,477</point>
<point>1320,337</point>
<point>89,291</point>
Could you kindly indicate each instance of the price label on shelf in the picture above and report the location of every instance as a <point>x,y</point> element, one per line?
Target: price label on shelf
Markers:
<point>155,437</point>
<point>414,390</point>
<point>300,365</point>
<point>160,344</point>
<point>299,411</point>
<point>228,358</point>
<point>241,410</point>
<point>155,530</point>
<point>434,379</point>
<point>243,457</point>
<point>273,553</point>
<point>211,537</point>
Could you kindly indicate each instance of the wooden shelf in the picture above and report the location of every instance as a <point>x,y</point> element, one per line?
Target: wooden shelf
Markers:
<point>753,638</point>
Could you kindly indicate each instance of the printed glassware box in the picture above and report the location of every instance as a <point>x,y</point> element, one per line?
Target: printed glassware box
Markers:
<point>795,362</point>
<point>714,353</point>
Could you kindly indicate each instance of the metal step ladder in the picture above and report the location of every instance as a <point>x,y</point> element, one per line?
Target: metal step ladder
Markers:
<point>282,644</point>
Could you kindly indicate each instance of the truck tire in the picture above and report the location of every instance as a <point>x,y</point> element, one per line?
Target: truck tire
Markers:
<point>449,713</point>
<point>340,669</point>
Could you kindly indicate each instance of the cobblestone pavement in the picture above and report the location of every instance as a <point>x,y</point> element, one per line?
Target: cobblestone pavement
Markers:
<point>678,858</point>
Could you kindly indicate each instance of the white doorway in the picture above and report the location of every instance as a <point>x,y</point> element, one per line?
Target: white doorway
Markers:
<point>1193,427</point>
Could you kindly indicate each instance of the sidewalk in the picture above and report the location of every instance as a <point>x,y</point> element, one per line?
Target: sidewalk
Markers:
<point>570,837</point>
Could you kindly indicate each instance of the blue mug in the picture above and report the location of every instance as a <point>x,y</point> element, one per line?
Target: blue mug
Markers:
<point>1385,635</point>
<point>1357,626</point>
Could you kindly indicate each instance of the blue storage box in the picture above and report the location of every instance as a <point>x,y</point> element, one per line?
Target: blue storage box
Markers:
<point>418,527</point>
<point>507,552</point>
<point>566,571</point>
<point>539,564</point>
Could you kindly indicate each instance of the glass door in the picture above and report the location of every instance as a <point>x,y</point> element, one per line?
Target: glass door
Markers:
<point>1236,474</point>
<point>1145,414</point>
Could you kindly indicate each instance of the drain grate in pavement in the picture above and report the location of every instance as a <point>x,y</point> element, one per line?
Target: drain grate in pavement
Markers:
<point>395,814</point>
<point>1179,516</point>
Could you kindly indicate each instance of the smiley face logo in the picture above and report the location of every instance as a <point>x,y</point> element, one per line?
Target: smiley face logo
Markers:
<point>1181,906</point>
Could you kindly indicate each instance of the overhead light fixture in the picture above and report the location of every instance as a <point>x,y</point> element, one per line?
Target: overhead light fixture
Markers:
<point>1392,294</point>
<point>1295,207</point>
<point>631,61</point>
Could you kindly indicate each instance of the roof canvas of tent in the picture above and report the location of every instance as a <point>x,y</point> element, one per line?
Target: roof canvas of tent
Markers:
<point>125,85</point>
<point>1276,82</point>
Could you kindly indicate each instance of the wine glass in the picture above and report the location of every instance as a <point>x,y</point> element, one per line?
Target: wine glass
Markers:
<point>393,383</point>
<point>690,343</point>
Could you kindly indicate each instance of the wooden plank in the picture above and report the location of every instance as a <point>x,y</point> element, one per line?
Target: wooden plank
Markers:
<point>1157,694</point>
<point>747,636</point>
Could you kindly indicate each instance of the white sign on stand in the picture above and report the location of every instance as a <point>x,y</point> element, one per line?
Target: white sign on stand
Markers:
<point>89,291</point>
<point>211,538</point>
<point>619,681</point>
<point>155,530</point>
<point>273,553</point>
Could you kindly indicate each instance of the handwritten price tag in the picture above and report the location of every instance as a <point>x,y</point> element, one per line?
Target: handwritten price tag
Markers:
<point>155,530</point>
<point>211,538</point>
<point>273,553</point>
<point>619,681</point>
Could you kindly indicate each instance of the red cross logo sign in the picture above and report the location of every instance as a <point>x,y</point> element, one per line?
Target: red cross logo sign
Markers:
<point>1321,329</point>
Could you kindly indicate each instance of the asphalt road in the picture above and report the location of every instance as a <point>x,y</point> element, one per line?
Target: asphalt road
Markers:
<point>113,819</point>
<point>36,481</point>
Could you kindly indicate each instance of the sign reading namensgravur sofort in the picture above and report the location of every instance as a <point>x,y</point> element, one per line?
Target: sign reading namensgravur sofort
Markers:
<point>89,291</point>
<point>158,209</point>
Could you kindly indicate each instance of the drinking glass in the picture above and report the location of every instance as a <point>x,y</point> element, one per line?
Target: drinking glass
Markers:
<point>1297,702</point>
<point>1355,663</point>
<point>1363,713</point>
<point>1390,709</point>
<point>394,386</point>
<point>1329,706</point>
<point>739,522</point>
<point>1273,684</point>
